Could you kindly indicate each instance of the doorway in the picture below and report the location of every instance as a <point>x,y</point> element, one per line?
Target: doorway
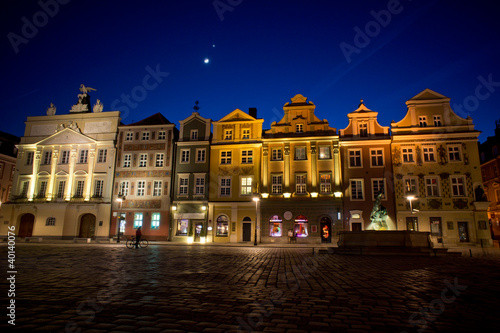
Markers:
<point>463,231</point>
<point>26,225</point>
<point>412,223</point>
<point>198,227</point>
<point>247,232</point>
<point>87,226</point>
<point>326,230</point>
<point>356,226</point>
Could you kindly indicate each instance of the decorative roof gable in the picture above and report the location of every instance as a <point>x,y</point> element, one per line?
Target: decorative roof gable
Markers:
<point>66,136</point>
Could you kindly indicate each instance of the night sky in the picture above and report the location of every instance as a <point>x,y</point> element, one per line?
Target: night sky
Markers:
<point>261,53</point>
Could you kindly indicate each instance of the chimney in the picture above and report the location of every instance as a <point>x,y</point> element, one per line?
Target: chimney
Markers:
<point>252,112</point>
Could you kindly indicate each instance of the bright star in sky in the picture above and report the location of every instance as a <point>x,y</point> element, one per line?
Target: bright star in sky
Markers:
<point>206,61</point>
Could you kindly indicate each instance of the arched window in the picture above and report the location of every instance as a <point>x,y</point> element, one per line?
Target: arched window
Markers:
<point>301,226</point>
<point>275,226</point>
<point>222,226</point>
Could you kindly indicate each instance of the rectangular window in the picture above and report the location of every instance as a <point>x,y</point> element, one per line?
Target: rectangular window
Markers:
<point>277,154</point>
<point>324,153</point>
<point>299,128</point>
<point>145,136</point>
<point>157,188</point>
<point>357,189</point>
<point>458,186</point>
<point>143,160</point>
<point>159,160</point>
<point>247,156</point>
<point>138,218</point>
<point>454,153</point>
<point>408,155</point>
<point>300,153</point>
<point>422,120</point>
<point>65,157</point>
<point>29,158</point>
<point>325,183</point>
<point>225,186</point>
<point>47,157</point>
<point>50,221</point>
<point>123,190</point>
<point>99,185</point>
<point>277,183</point>
<point>101,156</point>
<point>363,129</point>
<point>43,189</point>
<point>300,184</point>
<point>429,154</point>
<point>60,189</point>
<point>411,186</point>
<point>24,189</point>
<point>245,134</point>
<point>199,186</point>
<point>355,158</point>
<point>182,227</point>
<point>126,160</point>
<point>437,121</point>
<point>200,155</point>
<point>228,134</point>
<point>84,154</point>
<point>129,136</point>
<point>377,157</point>
<point>79,188</point>
<point>432,186</point>
<point>225,157</point>
<point>141,188</point>
<point>378,186</point>
<point>194,135</point>
<point>246,185</point>
<point>183,186</point>
<point>155,221</point>
<point>161,135</point>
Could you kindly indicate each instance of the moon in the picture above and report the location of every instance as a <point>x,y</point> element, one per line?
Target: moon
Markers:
<point>206,61</point>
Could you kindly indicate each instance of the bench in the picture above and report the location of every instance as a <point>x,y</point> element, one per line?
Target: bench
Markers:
<point>35,239</point>
<point>86,240</point>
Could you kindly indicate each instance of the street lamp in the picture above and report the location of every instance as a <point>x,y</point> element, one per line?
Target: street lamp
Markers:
<point>256,198</point>
<point>120,199</point>
<point>410,199</point>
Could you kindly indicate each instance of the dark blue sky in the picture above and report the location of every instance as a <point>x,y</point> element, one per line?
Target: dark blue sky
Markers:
<point>265,52</point>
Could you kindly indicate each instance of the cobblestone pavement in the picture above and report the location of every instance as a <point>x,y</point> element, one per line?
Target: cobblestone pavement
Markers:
<point>101,288</point>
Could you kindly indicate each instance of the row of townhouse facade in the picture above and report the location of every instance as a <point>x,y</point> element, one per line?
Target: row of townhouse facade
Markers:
<point>86,175</point>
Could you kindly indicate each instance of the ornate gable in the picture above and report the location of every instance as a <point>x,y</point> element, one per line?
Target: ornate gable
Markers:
<point>66,136</point>
<point>237,115</point>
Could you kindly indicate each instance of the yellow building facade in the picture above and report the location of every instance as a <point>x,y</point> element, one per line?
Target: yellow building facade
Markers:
<point>435,163</point>
<point>235,161</point>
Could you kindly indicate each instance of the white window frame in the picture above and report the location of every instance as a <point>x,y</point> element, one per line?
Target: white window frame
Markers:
<point>408,155</point>
<point>201,155</point>
<point>437,121</point>
<point>138,220</point>
<point>143,160</point>
<point>193,135</point>
<point>228,134</point>
<point>354,157</point>
<point>363,129</point>
<point>455,185</point>
<point>185,156</point>
<point>325,181</point>
<point>299,128</point>
<point>123,188</point>
<point>300,153</point>
<point>141,188</point>
<point>199,185</point>
<point>456,152</point>
<point>301,183</point>
<point>435,188</point>
<point>183,190</point>
<point>102,155</point>
<point>129,136</point>
<point>24,188</point>
<point>47,157</point>
<point>79,188</point>
<point>226,157</point>
<point>247,156</point>
<point>98,188</point>
<point>246,188</point>
<point>61,188</point>
<point>145,136</point>
<point>376,183</point>
<point>162,135</point>
<point>157,188</point>
<point>225,186</point>
<point>42,188</point>
<point>83,157</point>
<point>160,160</point>
<point>127,160</point>
<point>276,154</point>
<point>360,190</point>
<point>245,134</point>
<point>65,156</point>
<point>277,183</point>
<point>412,183</point>
<point>422,121</point>
<point>29,157</point>
<point>431,152</point>
<point>155,220</point>
<point>378,154</point>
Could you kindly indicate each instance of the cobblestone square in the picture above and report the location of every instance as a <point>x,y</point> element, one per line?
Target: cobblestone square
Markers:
<point>164,288</point>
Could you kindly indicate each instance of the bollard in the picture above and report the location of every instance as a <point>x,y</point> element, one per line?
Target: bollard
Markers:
<point>470,252</point>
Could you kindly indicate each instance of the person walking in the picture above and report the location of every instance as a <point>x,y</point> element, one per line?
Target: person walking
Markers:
<point>138,235</point>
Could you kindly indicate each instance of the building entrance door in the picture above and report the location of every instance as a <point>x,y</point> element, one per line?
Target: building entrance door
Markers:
<point>26,225</point>
<point>247,232</point>
<point>463,231</point>
<point>412,223</point>
<point>356,226</point>
<point>87,226</point>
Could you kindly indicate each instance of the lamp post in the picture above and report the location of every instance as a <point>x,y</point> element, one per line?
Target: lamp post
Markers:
<point>120,199</point>
<point>410,199</point>
<point>256,198</point>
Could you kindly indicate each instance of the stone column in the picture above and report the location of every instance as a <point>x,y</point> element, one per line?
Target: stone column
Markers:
<point>53,166</point>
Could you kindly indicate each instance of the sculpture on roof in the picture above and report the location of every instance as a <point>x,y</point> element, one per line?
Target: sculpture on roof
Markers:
<point>98,106</point>
<point>83,104</point>
<point>51,110</point>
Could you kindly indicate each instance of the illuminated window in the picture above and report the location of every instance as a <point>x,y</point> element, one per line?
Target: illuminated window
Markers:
<point>411,185</point>
<point>123,190</point>
<point>84,153</point>
<point>355,158</point>
<point>225,186</point>
<point>437,121</point>
<point>277,183</point>
<point>422,121</point>
<point>300,153</point>
<point>300,184</point>
<point>324,153</point>
<point>51,221</point>
<point>429,154</point>
<point>378,186</point>
<point>157,188</point>
<point>129,136</point>
<point>182,227</point>
<point>141,188</point>
<point>47,157</point>
<point>194,135</point>
<point>247,156</point>
<point>145,136</point>
<point>454,153</point>
<point>200,155</point>
<point>432,186</point>
<point>377,157</point>
<point>275,226</point>
<point>457,186</point>
<point>159,160</point>
<point>325,183</point>
<point>225,157</point>
<point>408,155</point>
<point>363,129</point>
<point>357,189</point>
<point>228,134</point>
<point>246,134</point>
<point>222,228</point>
<point>246,185</point>
<point>185,155</point>
<point>277,154</point>
<point>300,229</point>
<point>155,220</point>
<point>102,155</point>
<point>138,218</point>
<point>143,160</point>
<point>299,128</point>
<point>99,185</point>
